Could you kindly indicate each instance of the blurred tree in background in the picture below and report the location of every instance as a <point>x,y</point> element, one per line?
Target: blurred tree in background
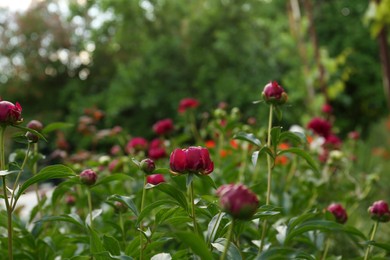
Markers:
<point>136,59</point>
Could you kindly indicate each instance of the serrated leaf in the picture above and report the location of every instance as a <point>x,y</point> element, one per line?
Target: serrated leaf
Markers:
<point>128,201</point>
<point>50,172</point>
<point>249,137</point>
<point>233,251</point>
<point>196,243</point>
<point>302,154</point>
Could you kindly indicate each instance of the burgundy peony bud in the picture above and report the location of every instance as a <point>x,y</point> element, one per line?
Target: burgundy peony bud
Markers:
<point>191,160</point>
<point>320,126</point>
<point>327,109</point>
<point>70,200</point>
<point>163,127</point>
<point>10,114</point>
<point>379,211</point>
<point>274,94</point>
<point>88,177</point>
<point>147,166</point>
<point>338,212</point>
<point>37,126</point>
<point>354,135</point>
<point>157,153</point>
<point>238,201</point>
<point>332,141</point>
<point>136,144</point>
<point>187,103</point>
<point>155,179</point>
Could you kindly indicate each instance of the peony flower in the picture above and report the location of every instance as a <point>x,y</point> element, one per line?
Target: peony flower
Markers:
<point>320,126</point>
<point>332,142</point>
<point>327,109</point>
<point>338,212</point>
<point>379,211</point>
<point>136,144</point>
<point>273,93</point>
<point>238,201</point>
<point>157,149</point>
<point>191,160</point>
<point>187,103</point>
<point>88,177</point>
<point>163,127</point>
<point>147,166</point>
<point>10,114</point>
<point>155,179</point>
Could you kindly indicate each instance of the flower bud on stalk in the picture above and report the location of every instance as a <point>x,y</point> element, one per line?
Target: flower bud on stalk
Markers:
<point>238,201</point>
<point>155,179</point>
<point>88,177</point>
<point>274,94</point>
<point>379,211</point>
<point>338,212</point>
<point>10,114</point>
<point>147,166</point>
<point>191,160</point>
<point>37,126</point>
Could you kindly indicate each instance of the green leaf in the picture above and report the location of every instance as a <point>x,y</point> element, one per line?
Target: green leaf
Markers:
<point>278,112</point>
<point>112,245</point>
<point>267,211</point>
<point>275,136</point>
<point>6,172</point>
<point>162,171</point>
<point>322,225</point>
<point>302,154</point>
<point>256,154</point>
<point>110,178</point>
<point>214,225</point>
<point>48,173</point>
<point>175,193</point>
<point>63,188</point>
<point>189,178</point>
<point>207,179</point>
<point>380,245</point>
<point>277,253</point>
<point>233,251</point>
<point>26,129</point>
<point>294,137</point>
<point>55,126</point>
<point>96,244</point>
<point>128,201</point>
<point>154,206</point>
<point>249,137</point>
<point>196,243</point>
<point>161,256</point>
<point>70,218</point>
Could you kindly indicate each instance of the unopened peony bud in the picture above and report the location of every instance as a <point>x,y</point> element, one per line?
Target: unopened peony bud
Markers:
<point>147,166</point>
<point>163,127</point>
<point>120,207</point>
<point>338,212</point>
<point>155,179</point>
<point>379,211</point>
<point>10,114</point>
<point>88,177</point>
<point>274,94</point>
<point>191,160</point>
<point>238,201</point>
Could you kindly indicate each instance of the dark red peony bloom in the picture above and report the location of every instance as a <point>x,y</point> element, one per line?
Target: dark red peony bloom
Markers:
<point>136,144</point>
<point>157,149</point>
<point>320,126</point>
<point>238,201</point>
<point>338,212</point>
<point>187,103</point>
<point>155,179</point>
<point>163,127</point>
<point>10,114</point>
<point>273,93</point>
<point>88,177</point>
<point>191,160</point>
<point>332,142</point>
<point>379,211</point>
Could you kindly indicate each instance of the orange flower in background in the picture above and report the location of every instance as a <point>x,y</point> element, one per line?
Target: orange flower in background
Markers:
<point>281,160</point>
<point>210,144</point>
<point>283,146</point>
<point>224,153</point>
<point>234,144</point>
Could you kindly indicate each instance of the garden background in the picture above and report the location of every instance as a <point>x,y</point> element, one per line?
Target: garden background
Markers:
<point>129,63</point>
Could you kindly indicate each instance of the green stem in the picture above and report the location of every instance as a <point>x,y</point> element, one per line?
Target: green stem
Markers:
<point>368,249</point>
<point>7,204</point>
<point>269,164</point>
<point>13,200</point>
<point>141,239</point>
<point>90,207</point>
<point>263,232</point>
<point>34,171</point>
<point>229,239</point>
<point>193,207</point>
<point>122,228</point>
<point>326,249</point>
<point>243,160</point>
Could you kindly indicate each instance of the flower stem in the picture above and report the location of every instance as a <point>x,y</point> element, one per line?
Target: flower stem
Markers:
<point>326,249</point>
<point>269,156</point>
<point>368,249</point>
<point>13,200</point>
<point>90,207</point>
<point>193,207</point>
<point>141,239</point>
<point>229,239</point>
